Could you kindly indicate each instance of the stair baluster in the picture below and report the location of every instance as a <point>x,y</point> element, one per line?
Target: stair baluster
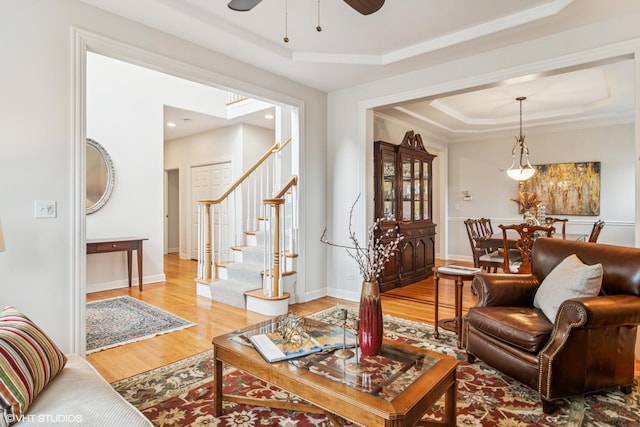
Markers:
<point>250,201</point>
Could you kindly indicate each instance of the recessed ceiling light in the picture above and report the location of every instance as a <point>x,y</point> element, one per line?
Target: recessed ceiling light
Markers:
<point>171,125</point>
<point>268,116</point>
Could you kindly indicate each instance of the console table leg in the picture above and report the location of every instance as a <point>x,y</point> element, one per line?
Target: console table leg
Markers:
<point>139,251</point>
<point>459,285</point>
<point>129,265</point>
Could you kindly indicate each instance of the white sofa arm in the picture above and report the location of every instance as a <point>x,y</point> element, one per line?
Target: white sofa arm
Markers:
<point>80,396</point>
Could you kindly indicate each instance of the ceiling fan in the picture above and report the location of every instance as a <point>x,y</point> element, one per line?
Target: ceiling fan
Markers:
<point>365,7</point>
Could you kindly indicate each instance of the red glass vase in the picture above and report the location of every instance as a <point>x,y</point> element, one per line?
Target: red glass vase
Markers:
<point>370,328</point>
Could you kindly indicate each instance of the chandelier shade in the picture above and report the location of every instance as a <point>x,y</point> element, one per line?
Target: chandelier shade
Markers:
<point>520,169</point>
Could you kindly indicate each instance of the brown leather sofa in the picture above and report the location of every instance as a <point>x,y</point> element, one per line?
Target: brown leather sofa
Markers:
<point>591,345</point>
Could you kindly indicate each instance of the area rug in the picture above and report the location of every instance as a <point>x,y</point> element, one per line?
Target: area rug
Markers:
<point>116,321</point>
<point>180,394</point>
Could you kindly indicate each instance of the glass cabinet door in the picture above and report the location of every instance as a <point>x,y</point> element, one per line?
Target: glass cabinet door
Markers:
<point>407,189</point>
<point>417,190</point>
<point>426,172</point>
<point>389,185</point>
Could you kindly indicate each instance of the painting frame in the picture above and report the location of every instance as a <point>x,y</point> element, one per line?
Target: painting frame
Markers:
<point>567,188</point>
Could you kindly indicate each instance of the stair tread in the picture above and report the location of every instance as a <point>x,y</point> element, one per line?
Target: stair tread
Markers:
<point>257,293</point>
<point>245,265</point>
<point>240,286</point>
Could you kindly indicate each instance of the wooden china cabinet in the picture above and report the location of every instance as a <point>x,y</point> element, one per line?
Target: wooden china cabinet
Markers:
<point>403,189</point>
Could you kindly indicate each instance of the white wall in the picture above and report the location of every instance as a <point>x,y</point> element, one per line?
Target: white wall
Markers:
<point>125,113</point>
<point>350,126</point>
<point>478,167</point>
<point>40,147</point>
<point>239,144</point>
<point>255,143</point>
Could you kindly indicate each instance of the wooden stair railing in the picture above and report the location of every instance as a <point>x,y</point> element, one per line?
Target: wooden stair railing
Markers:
<point>281,217</point>
<point>223,221</point>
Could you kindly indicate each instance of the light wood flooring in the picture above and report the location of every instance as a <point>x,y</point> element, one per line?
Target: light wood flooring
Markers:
<point>178,296</point>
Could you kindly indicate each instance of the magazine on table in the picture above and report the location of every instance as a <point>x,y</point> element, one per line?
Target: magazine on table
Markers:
<point>317,337</point>
<point>459,269</point>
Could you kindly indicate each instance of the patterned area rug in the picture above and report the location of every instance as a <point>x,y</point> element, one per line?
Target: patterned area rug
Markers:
<point>180,394</point>
<point>115,321</point>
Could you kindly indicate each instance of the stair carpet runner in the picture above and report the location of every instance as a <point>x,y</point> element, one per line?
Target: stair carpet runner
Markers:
<point>242,274</point>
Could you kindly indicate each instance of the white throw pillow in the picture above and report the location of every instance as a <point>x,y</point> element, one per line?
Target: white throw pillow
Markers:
<point>569,279</point>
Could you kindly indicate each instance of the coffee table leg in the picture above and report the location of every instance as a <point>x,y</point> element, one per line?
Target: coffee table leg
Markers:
<point>436,281</point>
<point>450,404</point>
<point>217,385</point>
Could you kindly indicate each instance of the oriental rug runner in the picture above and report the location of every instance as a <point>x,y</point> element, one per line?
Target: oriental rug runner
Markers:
<point>116,321</point>
<point>179,394</point>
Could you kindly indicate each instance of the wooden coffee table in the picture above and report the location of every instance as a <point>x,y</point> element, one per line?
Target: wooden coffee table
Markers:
<point>418,379</point>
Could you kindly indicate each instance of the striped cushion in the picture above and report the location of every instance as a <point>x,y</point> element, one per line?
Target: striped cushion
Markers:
<point>28,361</point>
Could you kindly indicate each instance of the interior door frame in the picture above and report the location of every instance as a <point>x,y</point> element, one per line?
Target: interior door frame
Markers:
<point>85,41</point>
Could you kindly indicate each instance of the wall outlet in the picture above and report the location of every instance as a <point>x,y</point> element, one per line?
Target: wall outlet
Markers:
<point>45,209</point>
<point>349,276</point>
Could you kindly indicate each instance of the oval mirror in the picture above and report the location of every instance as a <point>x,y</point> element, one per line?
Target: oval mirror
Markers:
<point>100,176</point>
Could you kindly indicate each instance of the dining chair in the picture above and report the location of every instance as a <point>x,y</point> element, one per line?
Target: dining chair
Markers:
<point>487,259</point>
<point>595,231</point>
<point>485,224</point>
<point>524,244</point>
<point>552,221</point>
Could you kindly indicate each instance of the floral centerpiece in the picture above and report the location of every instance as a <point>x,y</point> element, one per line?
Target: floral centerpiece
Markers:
<point>371,259</point>
<point>526,201</point>
<point>527,204</point>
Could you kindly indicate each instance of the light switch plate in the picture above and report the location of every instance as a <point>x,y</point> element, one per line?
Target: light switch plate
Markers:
<point>45,209</point>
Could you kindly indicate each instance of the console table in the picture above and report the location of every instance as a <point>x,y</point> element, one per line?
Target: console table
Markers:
<point>129,244</point>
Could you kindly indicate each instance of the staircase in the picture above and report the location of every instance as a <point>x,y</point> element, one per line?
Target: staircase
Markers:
<point>246,243</point>
<point>240,280</point>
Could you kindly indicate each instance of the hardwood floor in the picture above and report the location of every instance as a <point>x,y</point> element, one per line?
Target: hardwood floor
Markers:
<point>178,296</point>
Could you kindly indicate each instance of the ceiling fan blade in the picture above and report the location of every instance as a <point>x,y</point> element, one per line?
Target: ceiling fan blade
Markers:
<point>243,5</point>
<point>365,7</point>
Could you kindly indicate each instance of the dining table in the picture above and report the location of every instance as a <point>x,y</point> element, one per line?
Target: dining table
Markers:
<point>495,240</point>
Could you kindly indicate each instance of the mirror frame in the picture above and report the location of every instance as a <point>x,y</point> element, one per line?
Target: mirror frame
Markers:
<point>111,176</point>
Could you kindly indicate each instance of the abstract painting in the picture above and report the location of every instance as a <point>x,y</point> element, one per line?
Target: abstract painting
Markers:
<point>567,188</point>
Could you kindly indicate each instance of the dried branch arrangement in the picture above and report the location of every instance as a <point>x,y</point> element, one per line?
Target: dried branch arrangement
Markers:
<point>373,256</point>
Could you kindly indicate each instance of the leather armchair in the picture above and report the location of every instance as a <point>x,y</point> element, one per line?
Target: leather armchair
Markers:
<point>588,348</point>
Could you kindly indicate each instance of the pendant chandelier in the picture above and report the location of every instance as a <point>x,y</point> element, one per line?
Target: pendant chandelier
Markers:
<point>523,170</point>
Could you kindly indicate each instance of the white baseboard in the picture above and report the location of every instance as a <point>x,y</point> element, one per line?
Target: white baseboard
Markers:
<point>124,283</point>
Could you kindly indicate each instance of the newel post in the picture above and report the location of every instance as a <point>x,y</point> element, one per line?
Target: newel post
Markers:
<point>275,271</point>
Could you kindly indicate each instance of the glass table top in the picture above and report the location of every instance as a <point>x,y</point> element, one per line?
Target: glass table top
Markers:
<point>385,376</point>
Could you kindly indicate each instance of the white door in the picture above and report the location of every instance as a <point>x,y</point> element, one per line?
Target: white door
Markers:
<point>221,180</point>
<point>209,182</point>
